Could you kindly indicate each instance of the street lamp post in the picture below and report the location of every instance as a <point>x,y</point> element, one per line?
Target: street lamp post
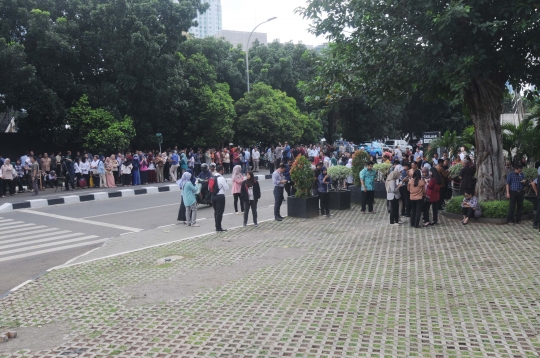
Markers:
<point>247,49</point>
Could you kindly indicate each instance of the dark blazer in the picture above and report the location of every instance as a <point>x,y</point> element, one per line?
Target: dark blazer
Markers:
<point>244,196</point>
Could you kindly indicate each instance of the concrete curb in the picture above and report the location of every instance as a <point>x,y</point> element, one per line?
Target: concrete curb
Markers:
<point>483,220</point>
<point>121,193</point>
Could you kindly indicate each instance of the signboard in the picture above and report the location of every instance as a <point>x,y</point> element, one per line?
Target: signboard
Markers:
<point>428,137</point>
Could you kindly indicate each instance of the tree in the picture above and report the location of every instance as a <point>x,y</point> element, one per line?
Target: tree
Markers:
<point>99,129</point>
<point>267,115</point>
<point>466,49</point>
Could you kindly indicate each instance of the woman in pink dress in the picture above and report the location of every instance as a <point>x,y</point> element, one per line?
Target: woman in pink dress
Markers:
<point>109,166</point>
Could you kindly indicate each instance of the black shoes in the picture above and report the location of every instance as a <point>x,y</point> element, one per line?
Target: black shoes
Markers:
<point>220,230</point>
<point>278,218</point>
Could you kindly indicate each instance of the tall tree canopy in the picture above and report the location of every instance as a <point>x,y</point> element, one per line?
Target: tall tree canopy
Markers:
<point>467,49</point>
<point>123,54</point>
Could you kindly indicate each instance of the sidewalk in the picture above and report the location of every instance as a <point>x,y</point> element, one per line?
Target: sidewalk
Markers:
<point>50,196</point>
<point>351,286</point>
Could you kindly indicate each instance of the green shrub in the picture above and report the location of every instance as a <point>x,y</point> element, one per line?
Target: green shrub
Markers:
<point>338,174</point>
<point>496,209</point>
<point>382,171</point>
<point>303,177</point>
<point>359,161</point>
<point>454,170</point>
<point>499,208</point>
<point>530,173</point>
<point>454,205</point>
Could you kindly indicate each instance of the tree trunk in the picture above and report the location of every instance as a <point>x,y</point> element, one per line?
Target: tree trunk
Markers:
<point>484,100</point>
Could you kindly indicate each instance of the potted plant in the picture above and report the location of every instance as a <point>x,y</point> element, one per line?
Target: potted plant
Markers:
<point>340,198</point>
<point>359,161</point>
<point>453,173</point>
<point>302,204</point>
<point>379,185</point>
<point>530,175</point>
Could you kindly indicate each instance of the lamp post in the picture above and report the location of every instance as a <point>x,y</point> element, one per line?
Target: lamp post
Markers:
<point>247,49</point>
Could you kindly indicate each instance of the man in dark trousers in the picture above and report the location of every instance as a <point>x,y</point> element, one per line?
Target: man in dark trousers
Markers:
<point>279,184</point>
<point>515,192</point>
<point>218,200</point>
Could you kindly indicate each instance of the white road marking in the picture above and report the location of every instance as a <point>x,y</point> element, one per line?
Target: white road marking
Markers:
<point>22,249</point>
<point>12,223</point>
<point>81,221</point>
<point>34,236</point>
<point>39,252</point>
<point>128,211</point>
<point>19,232</point>
<point>30,243</point>
<point>26,227</point>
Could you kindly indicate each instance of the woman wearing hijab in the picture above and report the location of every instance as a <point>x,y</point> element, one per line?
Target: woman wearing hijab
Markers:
<point>237,180</point>
<point>109,176</point>
<point>189,201</point>
<point>181,183</point>
<point>250,193</point>
<point>349,180</point>
<point>183,162</point>
<point>393,184</point>
<point>126,172</point>
<point>325,183</point>
<point>136,163</point>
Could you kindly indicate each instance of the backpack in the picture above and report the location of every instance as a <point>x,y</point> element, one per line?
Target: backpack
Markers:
<point>213,186</point>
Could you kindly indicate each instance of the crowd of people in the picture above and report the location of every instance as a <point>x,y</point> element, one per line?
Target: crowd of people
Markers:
<point>416,187</point>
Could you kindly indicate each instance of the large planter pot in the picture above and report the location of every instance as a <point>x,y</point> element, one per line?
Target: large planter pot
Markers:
<point>304,208</point>
<point>340,200</point>
<point>380,190</point>
<point>356,194</point>
<point>533,200</point>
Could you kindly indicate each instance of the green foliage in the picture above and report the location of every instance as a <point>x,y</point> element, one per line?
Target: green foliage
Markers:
<point>360,159</point>
<point>454,170</point>
<point>530,173</point>
<point>497,209</point>
<point>99,129</point>
<point>452,142</point>
<point>303,176</point>
<point>382,170</point>
<point>269,116</point>
<point>338,174</point>
<point>454,205</point>
<point>522,139</point>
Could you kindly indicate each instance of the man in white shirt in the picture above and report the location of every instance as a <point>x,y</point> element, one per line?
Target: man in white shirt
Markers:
<point>398,153</point>
<point>256,155</point>
<point>218,200</point>
<point>462,154</point>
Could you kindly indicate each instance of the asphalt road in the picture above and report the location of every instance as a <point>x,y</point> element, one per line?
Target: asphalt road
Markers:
<point>35,240</point>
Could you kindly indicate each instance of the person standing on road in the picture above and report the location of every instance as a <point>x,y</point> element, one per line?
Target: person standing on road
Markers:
<point>34,174</point>
<point>279,184</point>
<point>256,155</point>
<point>270,158</point>
<point>367,177</point>
<point>174,166</point>
<point>325,183</point>
<point>218,200</point>
<point>8,173</point>
<point>250,194</point>
<point>237,180</point>
<point>190,201</point>
<point>515,192</point>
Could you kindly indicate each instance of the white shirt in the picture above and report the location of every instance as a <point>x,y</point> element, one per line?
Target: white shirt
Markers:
<point>85,167</point>
<point>222,184</point>
<point>462,155</point>
<point>94,166</point>
<point>256,155</point>
<point>246,155</point>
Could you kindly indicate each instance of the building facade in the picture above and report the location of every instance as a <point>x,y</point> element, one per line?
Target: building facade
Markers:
<point>209,22</point>
<point>241,37</point>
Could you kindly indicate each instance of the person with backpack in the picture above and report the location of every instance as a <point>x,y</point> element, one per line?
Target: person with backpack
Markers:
<point>217,185</point>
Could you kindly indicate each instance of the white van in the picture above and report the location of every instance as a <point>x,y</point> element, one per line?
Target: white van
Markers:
<point>392,143</point>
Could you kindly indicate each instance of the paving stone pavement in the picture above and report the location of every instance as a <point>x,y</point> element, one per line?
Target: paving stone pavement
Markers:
<point>351,286</point>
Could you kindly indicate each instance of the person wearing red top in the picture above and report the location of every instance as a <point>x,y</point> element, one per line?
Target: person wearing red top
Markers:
<point>316,160</point>
<point>433,197</point>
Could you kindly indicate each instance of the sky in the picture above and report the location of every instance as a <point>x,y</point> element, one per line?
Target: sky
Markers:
<point>244,15</point>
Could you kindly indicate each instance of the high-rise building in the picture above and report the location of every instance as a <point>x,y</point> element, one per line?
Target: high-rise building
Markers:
<point>209,22</point>
<point>241,37</point>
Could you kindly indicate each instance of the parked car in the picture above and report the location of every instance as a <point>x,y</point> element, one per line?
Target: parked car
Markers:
<point>374,148</point>
<point>392,143</point>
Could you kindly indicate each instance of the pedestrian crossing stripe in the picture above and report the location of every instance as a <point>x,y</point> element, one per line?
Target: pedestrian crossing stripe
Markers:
<point>20,239</point>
